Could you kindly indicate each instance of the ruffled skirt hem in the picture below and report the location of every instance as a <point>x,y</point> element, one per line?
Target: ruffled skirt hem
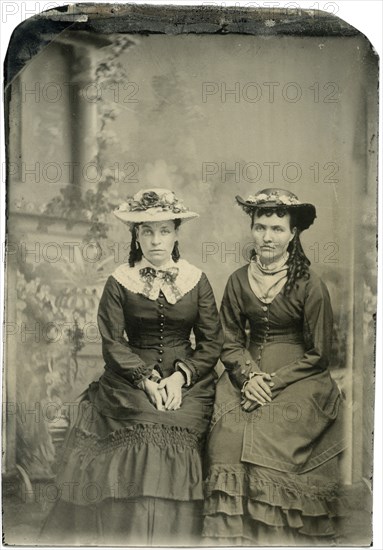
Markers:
<point>247,505</point>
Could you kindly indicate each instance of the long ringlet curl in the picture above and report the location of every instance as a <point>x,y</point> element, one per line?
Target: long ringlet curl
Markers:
<point>135,254</point>
<point>298,263</point>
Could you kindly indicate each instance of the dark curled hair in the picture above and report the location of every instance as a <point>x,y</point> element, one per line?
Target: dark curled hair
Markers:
<point>298,263</point>
<point>135,254</point>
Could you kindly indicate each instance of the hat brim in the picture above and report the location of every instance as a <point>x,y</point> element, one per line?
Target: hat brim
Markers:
<point>147,216</point>
<point>305,212</point>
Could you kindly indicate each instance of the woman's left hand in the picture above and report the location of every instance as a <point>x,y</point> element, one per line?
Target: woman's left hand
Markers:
<point>173,385</point>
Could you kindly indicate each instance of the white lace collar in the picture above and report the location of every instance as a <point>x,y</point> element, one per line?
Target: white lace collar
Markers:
<point>187,278</point>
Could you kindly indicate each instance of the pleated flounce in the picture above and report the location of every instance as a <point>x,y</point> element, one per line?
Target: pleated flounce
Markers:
<point>252,505</point>
<point>105,458</point>
<point>126,483</point>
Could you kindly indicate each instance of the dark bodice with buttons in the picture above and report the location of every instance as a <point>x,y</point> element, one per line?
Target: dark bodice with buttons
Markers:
<point>291,335</point>
<point>153,324</point>
<point>139,334</point>
<point>271,322</point>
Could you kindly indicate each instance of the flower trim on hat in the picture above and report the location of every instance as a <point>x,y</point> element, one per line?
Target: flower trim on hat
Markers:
<point>273,197</point>
<point>155,201</point>
<point>187,278</point>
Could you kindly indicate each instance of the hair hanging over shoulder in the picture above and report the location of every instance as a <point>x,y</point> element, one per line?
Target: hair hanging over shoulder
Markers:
<point>297,263</point>
<point>135,254</point>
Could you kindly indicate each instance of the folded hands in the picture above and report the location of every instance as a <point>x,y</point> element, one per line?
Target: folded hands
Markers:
<point>256,391</point>
<point>165,393</point>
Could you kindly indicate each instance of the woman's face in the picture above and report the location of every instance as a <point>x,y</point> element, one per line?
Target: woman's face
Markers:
<point>272,236</point>
<point>157,241</point>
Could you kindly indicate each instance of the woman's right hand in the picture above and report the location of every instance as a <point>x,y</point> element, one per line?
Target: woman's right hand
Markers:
<point>156,396</point>
<point>258,388</point>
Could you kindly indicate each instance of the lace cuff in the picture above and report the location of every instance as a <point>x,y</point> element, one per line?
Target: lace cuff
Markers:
<point>156,376</point>
<point>148,372</point>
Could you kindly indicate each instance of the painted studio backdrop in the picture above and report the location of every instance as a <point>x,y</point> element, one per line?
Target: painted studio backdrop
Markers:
<point>94,117</point>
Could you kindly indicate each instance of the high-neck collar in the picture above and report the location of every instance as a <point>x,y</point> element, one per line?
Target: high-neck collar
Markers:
<point>267,284</point>
<point>273,267</point>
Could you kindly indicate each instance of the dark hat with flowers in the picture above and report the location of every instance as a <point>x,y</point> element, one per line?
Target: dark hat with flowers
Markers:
<point>153,205</point>
<point>273,197</point>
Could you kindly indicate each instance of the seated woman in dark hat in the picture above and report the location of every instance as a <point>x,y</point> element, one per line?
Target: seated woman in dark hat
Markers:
<point>131,472</point>
<point>276,433</point>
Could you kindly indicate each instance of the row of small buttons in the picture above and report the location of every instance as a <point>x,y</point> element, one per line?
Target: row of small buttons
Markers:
<point>162,324</point>
<point>267,328</point>
<point>266,319</point>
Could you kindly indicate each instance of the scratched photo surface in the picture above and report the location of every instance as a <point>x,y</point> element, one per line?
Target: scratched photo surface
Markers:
<point>94,114</point>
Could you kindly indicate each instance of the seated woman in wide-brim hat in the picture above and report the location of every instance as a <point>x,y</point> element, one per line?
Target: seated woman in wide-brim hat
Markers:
<point>132,470</point>
<point>276,433</point>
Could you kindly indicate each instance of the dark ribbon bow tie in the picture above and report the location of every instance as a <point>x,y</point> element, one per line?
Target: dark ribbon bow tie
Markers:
<point>169,275</point>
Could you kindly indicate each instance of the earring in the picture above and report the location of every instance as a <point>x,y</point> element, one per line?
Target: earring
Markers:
<point>137,245</point>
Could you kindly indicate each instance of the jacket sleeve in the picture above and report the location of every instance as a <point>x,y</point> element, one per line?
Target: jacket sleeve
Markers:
<point>208,333</point>
<point>318,322</point>
<point>115,348</point>
<point>235,357</point>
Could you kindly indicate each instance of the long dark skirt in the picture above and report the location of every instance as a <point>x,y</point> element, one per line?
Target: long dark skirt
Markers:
<point>248,504</point>
<point>132,481</point>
